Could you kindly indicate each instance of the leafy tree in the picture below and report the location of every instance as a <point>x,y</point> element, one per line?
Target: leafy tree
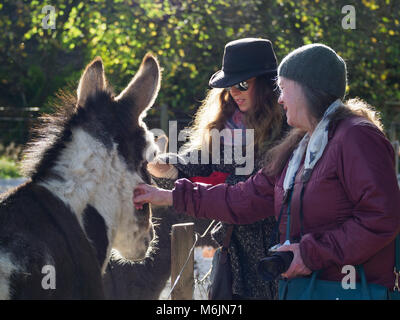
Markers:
<point>188,37</point>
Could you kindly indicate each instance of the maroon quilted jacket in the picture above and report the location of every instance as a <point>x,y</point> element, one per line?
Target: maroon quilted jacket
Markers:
<point>351,204</point>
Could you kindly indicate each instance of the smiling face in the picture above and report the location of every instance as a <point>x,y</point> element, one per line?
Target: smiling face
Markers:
<point>244,99</point>
<point>294,103</point>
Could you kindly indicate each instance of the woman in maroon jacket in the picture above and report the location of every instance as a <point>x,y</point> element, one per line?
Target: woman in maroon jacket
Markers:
<point>335,170</point>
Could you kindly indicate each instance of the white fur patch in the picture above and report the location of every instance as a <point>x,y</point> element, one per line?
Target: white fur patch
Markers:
<point>6,269</point>
<point>93,175</point>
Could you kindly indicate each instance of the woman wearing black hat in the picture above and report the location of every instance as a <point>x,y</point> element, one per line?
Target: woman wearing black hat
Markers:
<point>242,97</point>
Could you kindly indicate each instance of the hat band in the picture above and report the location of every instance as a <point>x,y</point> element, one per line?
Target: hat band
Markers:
<point>233,70</point>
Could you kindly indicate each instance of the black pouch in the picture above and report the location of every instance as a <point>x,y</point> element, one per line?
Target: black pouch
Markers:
<point>221,272</point>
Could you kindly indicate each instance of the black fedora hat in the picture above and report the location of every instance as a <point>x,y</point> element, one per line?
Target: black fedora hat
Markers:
<point>244,59</point>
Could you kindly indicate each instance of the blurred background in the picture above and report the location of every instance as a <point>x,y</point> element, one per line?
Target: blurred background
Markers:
<point>188,37</point>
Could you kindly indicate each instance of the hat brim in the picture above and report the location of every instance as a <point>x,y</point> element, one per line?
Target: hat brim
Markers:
<point>221,79</point>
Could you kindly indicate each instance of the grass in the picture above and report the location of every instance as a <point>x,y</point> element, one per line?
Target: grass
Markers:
<point>8,168</point>
<point>8,161</point>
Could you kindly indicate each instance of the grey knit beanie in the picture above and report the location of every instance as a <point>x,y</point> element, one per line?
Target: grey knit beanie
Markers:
<point>317,66</point>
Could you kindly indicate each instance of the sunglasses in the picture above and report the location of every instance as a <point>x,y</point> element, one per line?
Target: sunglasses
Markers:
<point>241,86</point>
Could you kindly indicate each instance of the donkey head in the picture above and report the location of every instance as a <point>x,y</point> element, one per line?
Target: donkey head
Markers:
<point>118,124</point>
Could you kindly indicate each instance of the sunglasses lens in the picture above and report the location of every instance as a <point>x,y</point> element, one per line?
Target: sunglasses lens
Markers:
<point>243,86</point>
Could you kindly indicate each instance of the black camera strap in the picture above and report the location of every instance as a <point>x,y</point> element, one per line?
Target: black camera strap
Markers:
<point>275,237</point>
<point>288,212</point>
<point>301,210</point>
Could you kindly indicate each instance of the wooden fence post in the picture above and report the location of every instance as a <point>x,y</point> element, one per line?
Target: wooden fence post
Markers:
<point>182,240</point>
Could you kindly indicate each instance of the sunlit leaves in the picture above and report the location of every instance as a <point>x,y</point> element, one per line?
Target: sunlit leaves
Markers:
<point>189,37</point>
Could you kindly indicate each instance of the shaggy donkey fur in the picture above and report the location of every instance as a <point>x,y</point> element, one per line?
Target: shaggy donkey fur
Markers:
<point>145,279</point>
<point>83,165</point>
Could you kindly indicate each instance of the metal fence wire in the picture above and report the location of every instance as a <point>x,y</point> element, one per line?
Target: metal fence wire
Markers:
<point>201,284</point>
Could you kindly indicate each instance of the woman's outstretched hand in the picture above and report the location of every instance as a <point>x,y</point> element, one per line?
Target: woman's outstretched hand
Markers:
<point>145,193</point>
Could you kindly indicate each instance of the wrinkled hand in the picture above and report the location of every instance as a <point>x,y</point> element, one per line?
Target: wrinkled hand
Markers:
<point>145,193</point>
<point>297,267</point>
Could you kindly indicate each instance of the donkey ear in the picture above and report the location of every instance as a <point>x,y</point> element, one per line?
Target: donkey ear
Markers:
<point>143,89</point>
<point>92,80</point>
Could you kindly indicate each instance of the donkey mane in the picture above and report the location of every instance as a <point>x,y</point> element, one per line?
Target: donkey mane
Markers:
<point>48,135</point>
<point>51,134</point>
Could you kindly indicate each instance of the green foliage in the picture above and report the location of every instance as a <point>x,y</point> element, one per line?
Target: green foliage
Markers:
<point>9,157</point>
<point>8,168</point>
<point>188,37</point>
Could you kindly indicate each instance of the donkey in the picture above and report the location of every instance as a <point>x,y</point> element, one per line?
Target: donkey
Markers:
<point>146,279</point>
<point>57,229</point>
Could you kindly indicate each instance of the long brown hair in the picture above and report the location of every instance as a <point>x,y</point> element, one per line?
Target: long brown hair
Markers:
<point>266,116</point>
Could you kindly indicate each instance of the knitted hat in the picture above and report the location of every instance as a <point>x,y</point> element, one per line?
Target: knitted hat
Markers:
<point>317,66</point>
